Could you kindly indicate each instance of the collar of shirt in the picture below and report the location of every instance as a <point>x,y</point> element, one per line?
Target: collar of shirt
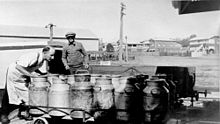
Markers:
<point>72,44</point>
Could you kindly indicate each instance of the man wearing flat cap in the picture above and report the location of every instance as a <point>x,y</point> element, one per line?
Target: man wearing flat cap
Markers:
<point>74,56</point>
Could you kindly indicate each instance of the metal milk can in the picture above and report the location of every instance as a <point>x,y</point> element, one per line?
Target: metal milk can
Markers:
<point>171,88</point>
<point>81,97</point>
<point>38,95</point>
<point>59,96</point>
<point>103,96</point>
<point>155,101</point>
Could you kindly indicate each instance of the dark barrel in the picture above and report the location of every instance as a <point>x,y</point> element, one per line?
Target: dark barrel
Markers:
<point>183,77</point>
<point>155,101</point>
<point>171,88</point>
<point>126,100</point>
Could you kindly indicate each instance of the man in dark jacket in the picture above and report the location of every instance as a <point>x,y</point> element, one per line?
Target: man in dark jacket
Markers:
<point>74,56</point>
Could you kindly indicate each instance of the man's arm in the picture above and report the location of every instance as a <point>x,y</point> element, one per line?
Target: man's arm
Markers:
<point>24,71</point>
<point>86,59</point>
<point>64,57</point>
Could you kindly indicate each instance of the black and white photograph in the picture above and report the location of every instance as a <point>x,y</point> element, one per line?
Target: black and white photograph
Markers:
<point>109,61</point>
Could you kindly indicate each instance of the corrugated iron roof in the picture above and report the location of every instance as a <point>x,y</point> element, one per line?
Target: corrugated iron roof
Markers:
<point>163,43</point>
<point>168,44</point>
<point>10,30</point>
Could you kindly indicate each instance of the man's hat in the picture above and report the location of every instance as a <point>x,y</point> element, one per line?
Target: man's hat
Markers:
<point>70,34</point>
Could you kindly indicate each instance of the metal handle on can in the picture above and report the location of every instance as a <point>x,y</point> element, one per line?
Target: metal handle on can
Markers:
<point>155,92</point>
<point>128,90</point>
<point>137,85</point>
<point>82,72</point>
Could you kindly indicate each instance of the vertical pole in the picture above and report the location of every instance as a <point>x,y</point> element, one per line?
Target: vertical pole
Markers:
<point>51,32</point>
<point>126,48</point>
<point>121,32</point>
<point>50,26</point>
<point>216,49</point>
<point>51,39</point>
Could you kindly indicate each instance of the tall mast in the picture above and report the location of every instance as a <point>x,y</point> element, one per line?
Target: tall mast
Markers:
<point>121,32</point>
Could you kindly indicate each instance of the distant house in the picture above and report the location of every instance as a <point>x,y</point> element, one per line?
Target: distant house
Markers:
<point>142,46</point>
<point>208,44</point>
<point>164,45</point>
<point>153,45</point>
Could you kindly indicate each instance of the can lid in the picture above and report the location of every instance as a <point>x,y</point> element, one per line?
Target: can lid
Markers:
<point>96,75</point>
<point>106,76</point>
<point>103,81</point>
<point>59,87</point>
<point>103,78</point>
<point>53,75</point>
<point>116,76</point>
<point>77,87</point>
<point>127,80</point>
<point>155,81</point>
<point>70,77</point>
<point>58,81</point>
<point>82,75</point>
<point>103,87</point>
<point>39,79</point>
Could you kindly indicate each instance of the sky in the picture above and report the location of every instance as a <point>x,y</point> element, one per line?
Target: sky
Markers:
<point>144,19</point>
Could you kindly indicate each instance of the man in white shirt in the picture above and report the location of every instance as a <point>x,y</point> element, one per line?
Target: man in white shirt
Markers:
<point>18,77</point>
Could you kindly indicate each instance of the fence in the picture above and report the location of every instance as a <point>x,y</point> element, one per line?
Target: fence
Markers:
<point>103,56</point>
<point>113,56</point>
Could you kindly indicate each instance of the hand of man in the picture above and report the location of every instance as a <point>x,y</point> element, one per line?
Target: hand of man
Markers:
<point>35,75</point>
<point>86,65</point>
<point>67,67</point>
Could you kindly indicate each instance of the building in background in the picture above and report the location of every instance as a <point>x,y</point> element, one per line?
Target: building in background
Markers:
<point>163,45</point>
<point>207,45</point>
